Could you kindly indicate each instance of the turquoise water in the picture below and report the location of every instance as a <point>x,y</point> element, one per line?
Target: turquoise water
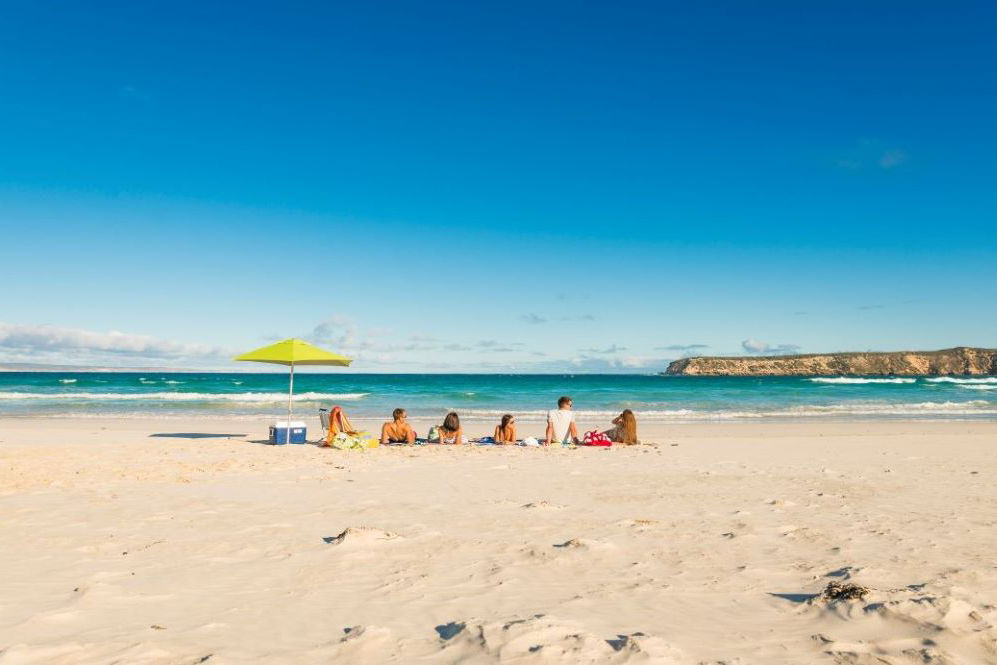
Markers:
<point>484,397</point>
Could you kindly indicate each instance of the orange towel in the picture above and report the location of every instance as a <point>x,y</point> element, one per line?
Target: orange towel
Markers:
<point>338,422</point>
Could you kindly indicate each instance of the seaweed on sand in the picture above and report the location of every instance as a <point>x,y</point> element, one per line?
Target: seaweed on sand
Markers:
<point>843,591</point>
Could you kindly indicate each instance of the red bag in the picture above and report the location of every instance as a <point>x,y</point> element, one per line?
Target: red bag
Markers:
<point>595,438</point>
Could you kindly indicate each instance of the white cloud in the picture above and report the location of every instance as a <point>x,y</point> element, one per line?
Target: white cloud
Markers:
<point>45,343</point>
<point>756,346</point>
<point>608,350</point>
<point>682,347</point>
<point>533,319</point>
<point>338,330</point>
<point>613,365</point>
<point>871,153</point>
<point>892,158</point>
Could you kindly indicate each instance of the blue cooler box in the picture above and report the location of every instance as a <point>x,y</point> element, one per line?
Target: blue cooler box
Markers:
<point>278,432</point>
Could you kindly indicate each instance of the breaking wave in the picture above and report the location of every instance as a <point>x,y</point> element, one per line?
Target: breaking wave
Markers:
<point>951,379</point>
<point>67,380</point>
<point>970,408</point>
<point>183,397</point>
<point>857,380</point>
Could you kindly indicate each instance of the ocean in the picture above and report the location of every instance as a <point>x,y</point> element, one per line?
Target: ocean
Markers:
<point>487,396</point>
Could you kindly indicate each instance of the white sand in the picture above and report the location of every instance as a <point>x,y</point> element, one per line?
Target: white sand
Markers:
<point>121,547</point>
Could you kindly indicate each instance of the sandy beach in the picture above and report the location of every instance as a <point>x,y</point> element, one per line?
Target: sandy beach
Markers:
<point>185,541</point>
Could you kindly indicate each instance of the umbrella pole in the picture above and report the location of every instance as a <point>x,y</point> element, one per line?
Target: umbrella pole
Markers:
<point>290,394</point>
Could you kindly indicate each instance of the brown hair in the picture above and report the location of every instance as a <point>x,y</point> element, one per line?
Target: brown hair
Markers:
<point>503,427</point>
<point>451,423</point>
<point>397,413</point>
<point>561,401</point>
<point>628,427</point>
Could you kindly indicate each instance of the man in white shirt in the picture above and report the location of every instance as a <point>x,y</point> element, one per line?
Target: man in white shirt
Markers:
<point>561,423</point>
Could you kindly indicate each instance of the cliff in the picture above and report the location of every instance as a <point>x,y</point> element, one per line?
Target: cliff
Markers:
<point>960,360</point>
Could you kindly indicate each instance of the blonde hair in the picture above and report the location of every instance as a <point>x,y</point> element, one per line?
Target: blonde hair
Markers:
<point>628,427</point>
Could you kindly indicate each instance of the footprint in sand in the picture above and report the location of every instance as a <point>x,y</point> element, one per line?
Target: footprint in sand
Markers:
<point>546,639</point>
<point>584,544</point>
<point>920,623</point>
<point>366,644</point>
<point>361,535</point>
<point>544,505</point>
<point>639,524</point>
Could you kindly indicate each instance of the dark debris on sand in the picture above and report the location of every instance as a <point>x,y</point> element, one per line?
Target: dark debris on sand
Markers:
<point>843,591</point>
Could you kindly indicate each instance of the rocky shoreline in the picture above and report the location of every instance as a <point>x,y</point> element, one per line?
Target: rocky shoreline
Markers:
<point>958,361</point>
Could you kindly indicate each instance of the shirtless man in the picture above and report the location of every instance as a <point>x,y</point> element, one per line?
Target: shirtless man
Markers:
<point>397,431</point>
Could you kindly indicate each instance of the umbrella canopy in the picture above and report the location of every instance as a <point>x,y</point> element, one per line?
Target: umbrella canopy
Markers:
<point>293,352</point>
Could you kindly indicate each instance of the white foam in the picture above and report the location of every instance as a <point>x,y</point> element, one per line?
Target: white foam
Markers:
<point>973,407</point>
<point>183,397</point>
<point>951,379</point>
<point>67,380</point>
<point>857,380</point>
<point>978,387</point>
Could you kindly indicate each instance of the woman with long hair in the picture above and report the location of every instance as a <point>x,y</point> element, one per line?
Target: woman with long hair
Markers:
<point>506,431</point>
<point>625,430</point>
<point>450,431</point>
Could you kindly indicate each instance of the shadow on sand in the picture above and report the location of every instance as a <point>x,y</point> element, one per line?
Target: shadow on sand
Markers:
<point>195,435</point>
<point>795,597</point>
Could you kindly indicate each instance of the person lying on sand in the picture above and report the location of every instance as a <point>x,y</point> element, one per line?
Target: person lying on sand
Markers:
<point>625,430</point>
<point>450,431</point>
<point>397,431</point>
<point>561,423</point>
<point>506,431</point>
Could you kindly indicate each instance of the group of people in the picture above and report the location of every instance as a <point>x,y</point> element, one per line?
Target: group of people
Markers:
<point>561,428</point>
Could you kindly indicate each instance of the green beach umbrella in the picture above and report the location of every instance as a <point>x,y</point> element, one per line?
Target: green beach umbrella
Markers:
<point>293,352</point>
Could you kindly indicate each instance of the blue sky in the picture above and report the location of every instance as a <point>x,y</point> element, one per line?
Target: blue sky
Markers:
<point>495,187</point>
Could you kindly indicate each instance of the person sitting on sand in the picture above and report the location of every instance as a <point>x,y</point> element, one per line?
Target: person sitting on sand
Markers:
<point>397,431</point>
<point>506,431</point>
<point>450,431</point>
<point>561,423</point>
<point>625,430</point>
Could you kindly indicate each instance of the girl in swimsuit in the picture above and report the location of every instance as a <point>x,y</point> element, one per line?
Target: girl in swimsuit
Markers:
<point>506,431</point>
<point>450,432</point>
<point>625,430</point>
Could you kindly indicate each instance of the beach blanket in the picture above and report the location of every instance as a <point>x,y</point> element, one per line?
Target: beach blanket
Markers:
<point>596,438</point>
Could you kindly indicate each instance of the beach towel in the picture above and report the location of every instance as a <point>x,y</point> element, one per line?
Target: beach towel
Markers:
<point>528,441</point>
<point>343,435</point>
<point>344,441</point>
